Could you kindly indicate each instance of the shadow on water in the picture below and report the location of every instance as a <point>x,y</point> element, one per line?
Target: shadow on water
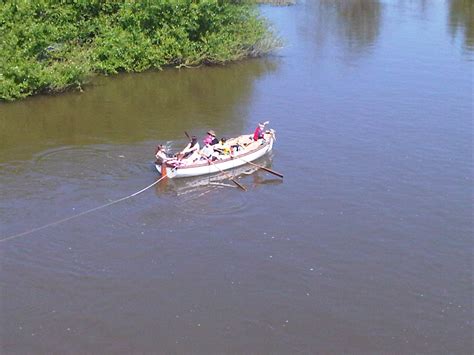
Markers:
<point>131,108</point>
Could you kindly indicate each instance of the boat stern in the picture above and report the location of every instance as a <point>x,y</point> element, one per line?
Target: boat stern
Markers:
<point>165,170</point>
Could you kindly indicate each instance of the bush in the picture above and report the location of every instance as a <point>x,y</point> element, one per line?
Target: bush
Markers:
<point>52,45</point>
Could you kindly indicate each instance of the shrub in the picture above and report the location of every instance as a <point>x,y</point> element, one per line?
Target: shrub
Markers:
<point>52,45</point>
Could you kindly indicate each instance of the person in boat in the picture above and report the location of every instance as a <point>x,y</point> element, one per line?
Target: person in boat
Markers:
<point>163,157</point>
<point>191,151</point>
<point>160,154</point>
<point>208,152</point>
<point>222,147</point>
<point>260,130</point>
<point>210,138</point>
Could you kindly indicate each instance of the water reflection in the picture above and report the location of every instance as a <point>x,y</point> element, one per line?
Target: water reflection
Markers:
<point>356,23</point>
<point>248,175</point>
<point>359,22</point>
<point>132,108</point>
<point>461,19</point>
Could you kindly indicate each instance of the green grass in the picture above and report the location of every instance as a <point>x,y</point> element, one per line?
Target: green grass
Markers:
<point>54,45</point>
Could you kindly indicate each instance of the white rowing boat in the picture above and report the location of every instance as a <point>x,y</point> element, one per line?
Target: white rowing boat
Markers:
<point>245,150</point>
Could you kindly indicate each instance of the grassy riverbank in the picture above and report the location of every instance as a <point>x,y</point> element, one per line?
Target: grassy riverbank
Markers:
<point>48,46</point>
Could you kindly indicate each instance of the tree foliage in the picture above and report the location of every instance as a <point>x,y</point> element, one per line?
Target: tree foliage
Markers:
<point>53,45</point>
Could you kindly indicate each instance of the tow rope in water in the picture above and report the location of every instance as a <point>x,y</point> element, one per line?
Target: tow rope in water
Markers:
<point>80,214</point>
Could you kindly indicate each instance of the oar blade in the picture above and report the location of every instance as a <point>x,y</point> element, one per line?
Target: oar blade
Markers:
<point>239,184</point>
<point>263,168</point>
<point>272,172</point>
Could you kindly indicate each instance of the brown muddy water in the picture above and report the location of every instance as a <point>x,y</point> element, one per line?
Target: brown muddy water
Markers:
<point>364,247</point>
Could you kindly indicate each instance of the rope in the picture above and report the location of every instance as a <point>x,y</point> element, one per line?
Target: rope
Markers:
<point>80,214</point>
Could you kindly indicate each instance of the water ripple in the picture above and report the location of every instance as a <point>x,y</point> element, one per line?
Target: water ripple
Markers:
<point>211,199</point>
<point>91,163</point>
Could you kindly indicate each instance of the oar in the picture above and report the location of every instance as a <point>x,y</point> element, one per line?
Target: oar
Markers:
<point>189,137</point>
<point>261,167</point>
<point>226,174</point>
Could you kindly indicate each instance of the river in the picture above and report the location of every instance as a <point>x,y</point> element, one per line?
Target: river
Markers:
<point>365,246</point>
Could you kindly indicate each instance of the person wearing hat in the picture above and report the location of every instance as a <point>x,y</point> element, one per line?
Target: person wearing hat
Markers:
<point>260,130</point>
<point>210,138</point>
